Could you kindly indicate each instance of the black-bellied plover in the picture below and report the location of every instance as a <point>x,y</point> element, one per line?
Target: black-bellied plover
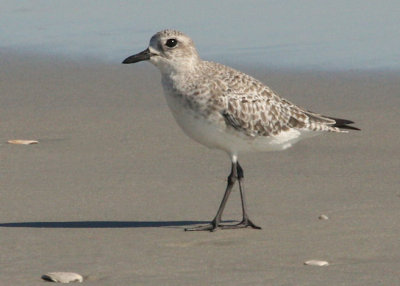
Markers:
<point>225,109</point>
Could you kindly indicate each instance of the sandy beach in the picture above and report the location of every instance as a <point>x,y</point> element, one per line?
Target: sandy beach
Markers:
<point>113,182</point>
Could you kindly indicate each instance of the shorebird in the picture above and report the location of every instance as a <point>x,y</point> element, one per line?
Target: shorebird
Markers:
<point>226,109</point>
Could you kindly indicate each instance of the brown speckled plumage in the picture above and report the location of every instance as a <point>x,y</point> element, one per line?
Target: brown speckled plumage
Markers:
<point>225,109</point>
<point>246,104</point>
<point>230,101</point>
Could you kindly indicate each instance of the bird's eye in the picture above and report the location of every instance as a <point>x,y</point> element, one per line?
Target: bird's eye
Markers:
<point>171,43</point>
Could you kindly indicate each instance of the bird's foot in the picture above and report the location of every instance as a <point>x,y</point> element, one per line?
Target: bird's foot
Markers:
<point>213,226</point>
<point>208,227</point>
<point>243,224</point>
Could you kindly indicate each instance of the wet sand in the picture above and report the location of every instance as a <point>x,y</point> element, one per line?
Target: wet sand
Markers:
<point>113,182</point>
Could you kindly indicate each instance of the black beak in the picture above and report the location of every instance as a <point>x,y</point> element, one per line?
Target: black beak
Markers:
<point>142,56</point>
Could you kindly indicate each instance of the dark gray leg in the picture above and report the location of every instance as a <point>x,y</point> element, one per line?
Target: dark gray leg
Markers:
<point>236,173</point>
<point>246,222</point>
<point>217,220</point>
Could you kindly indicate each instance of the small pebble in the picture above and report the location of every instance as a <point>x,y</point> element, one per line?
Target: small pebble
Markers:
<point>22,142</point>
<point>316,263</point>
<point>323,217</point>
<point>62,277</point>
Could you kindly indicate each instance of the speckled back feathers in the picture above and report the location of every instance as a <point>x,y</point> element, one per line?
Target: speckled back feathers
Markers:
<point>234,100</point>
<point>245,104</point>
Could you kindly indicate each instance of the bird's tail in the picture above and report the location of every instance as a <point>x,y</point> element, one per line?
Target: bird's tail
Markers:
<point>338,123</point>
<point>343,123</point>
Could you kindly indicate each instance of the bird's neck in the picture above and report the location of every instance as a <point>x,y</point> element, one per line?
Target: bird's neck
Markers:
<point>180,68</point>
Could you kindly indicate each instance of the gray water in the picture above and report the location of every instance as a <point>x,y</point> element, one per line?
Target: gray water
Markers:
<point>294,34</point>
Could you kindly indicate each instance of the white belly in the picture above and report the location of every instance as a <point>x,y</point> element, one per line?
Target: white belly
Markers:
<point>215,134</point>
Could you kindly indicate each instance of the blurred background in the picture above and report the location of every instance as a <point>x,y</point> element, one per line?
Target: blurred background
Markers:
<point>316,35</point>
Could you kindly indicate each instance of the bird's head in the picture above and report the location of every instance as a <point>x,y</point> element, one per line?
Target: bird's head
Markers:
<point>170,51</point>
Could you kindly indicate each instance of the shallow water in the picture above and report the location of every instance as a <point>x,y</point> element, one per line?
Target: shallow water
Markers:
<point>327,35</point>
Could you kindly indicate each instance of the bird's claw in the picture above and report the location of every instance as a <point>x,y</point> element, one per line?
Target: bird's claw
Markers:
<point>213,226</point>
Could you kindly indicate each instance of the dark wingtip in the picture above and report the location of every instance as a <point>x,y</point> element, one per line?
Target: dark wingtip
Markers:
<point>344,124</point>
<point>347,127</point>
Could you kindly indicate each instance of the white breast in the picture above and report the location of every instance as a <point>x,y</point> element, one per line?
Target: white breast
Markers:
<point>213,133</point>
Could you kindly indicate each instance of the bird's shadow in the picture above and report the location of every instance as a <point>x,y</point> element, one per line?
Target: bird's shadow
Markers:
<point>102,224</point>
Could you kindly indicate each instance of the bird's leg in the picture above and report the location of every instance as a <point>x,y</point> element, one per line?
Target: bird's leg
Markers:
<point>215,223</point>
<point>246,222</point>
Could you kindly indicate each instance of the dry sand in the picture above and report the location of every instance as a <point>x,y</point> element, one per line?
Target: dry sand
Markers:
<point>113,182</point>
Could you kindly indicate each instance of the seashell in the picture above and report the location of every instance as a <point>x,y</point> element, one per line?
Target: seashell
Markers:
<point>22,142</point>
<point>316,263</point>
<point>62,277</point>
<point>323,217</point>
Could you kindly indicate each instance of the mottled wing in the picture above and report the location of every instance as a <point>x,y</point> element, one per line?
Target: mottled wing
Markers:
<point>262,114</point>
<point>248,106</point>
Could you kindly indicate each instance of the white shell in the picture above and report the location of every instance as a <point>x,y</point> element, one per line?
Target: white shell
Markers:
<point>316,263</point>
<point>23,142</point>
<point>62,277</point>
<point>323,217</point>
